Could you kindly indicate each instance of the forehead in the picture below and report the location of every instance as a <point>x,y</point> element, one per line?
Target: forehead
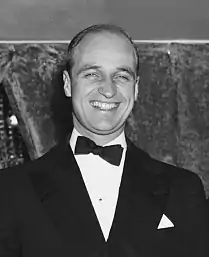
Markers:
<point>104,46</point>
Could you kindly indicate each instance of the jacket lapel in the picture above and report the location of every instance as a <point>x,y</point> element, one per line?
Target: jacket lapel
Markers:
<point>65,198</point>
<point>142,197</point>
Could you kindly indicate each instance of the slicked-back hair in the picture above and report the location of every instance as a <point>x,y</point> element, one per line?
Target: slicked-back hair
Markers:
<point>94,29</point>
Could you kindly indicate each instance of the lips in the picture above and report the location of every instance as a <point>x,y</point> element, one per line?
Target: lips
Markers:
<point>104,105</point>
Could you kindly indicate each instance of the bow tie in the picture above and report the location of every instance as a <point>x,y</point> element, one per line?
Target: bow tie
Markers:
<point>111,154</point>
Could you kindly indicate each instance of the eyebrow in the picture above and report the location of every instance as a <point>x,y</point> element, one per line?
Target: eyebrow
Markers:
<point>97,67</point>
<point>88,67</point>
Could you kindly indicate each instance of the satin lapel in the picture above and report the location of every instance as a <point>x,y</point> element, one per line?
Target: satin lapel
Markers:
<point>67,202</point>
<point>142,196</point>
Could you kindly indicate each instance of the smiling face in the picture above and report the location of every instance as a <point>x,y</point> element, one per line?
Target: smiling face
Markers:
<point>103,85</point>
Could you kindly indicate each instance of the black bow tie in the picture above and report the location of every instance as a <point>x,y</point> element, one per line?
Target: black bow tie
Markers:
<point>111,154</point>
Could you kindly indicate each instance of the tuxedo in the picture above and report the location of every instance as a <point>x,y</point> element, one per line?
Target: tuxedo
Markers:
<point>45,210</point>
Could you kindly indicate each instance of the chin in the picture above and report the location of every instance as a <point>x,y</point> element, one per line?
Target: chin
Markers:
<point>104,126</point>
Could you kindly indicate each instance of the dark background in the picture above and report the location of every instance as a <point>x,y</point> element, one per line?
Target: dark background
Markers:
<point>144,19</point>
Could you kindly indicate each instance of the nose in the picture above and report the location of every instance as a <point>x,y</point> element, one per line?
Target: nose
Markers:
<point>108,89</point>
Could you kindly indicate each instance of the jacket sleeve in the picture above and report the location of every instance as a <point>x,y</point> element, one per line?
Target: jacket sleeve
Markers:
<point>196,216</point>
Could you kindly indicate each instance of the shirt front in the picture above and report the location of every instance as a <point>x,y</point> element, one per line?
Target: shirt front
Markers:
<point>102,181</point>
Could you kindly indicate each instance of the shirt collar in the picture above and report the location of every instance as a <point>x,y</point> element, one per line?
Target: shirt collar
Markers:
<point>121,140</point>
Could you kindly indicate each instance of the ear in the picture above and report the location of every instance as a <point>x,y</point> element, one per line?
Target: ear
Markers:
<point>136,89</point>
<point>67,83</point>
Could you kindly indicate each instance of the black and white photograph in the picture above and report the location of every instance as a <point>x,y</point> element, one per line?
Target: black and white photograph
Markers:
<point>104,128</point>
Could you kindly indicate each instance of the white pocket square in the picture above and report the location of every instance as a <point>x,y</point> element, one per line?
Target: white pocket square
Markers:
<point>165,223</point>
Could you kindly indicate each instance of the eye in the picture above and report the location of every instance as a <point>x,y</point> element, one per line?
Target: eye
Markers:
<point>92,74</point>
<point>123,78</point>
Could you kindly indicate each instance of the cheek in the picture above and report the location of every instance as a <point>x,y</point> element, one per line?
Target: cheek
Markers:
<point>128,94</point>
<point>82,89</point>
<point>80,104</point>
<point>77,95</point>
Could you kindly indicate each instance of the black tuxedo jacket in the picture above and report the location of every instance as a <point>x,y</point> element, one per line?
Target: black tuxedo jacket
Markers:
<point>45,210</point>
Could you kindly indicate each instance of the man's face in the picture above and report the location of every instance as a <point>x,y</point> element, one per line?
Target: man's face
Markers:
<point>103,84</point>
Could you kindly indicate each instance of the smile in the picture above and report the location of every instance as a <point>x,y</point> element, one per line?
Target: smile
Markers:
<point>104,106</point>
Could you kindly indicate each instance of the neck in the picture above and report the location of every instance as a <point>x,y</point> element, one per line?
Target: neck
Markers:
<point>99,139</point>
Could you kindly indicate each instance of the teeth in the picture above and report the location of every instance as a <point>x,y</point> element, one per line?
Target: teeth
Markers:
<point>104,106</point>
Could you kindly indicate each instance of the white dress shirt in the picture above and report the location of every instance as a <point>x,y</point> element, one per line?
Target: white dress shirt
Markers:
<point>102,181</point>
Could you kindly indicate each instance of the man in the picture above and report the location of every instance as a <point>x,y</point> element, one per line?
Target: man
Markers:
<point>96,194</point>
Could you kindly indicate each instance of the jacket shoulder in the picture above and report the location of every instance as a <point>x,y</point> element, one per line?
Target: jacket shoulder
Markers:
<point>170,173</point>
<point>12,176</point>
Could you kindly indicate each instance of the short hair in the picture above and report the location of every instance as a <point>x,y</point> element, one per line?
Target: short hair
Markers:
<point>98,28</point>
